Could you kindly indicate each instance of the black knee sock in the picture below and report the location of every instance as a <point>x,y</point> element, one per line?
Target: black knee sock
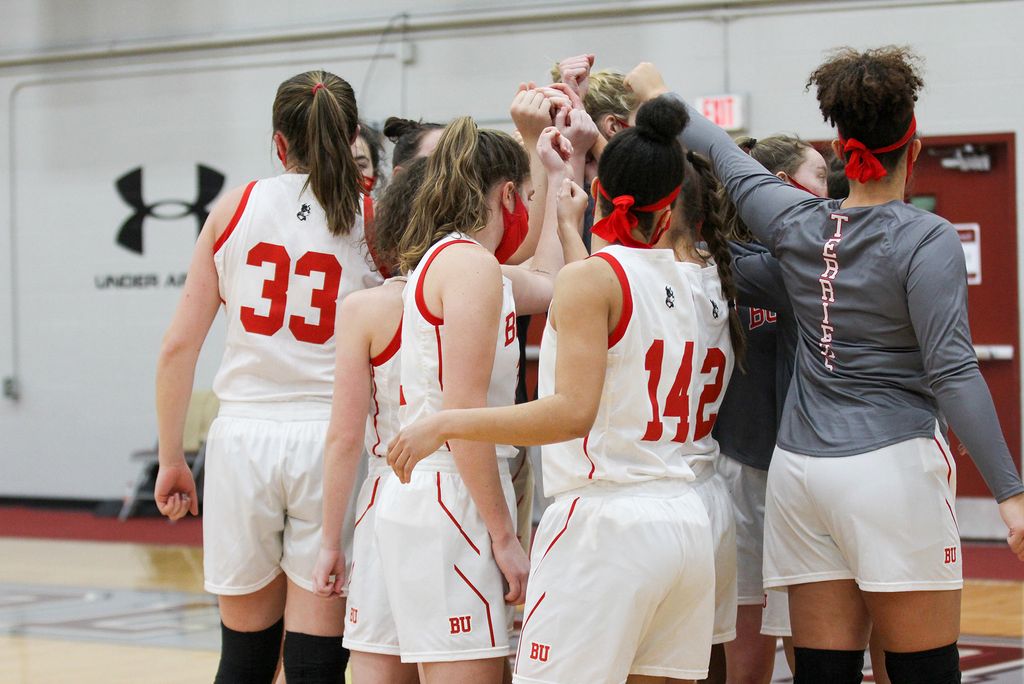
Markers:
<point>310,659</point>
<point>936,666</point>
<point>249,657</point>
<point>817,666</point>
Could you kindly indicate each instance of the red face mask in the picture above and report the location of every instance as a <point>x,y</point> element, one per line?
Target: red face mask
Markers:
<point>517,226</point>
<point>792,181</point>
<point>368,182</point>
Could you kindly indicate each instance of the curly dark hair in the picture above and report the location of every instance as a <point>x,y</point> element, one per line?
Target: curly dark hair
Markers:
<point>870,95</point>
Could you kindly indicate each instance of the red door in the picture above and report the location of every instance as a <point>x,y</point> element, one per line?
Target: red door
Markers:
<point>982,203</point>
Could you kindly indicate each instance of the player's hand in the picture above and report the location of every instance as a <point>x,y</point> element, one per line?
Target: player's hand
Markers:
<point>531,112</point>
<point>413,443</point>
<point>175,491</point>
<point>554,150</point>
<point>645,80</point>
<point>577,126</point>
<point>329,573</point>
<point>1012,512</point>
<point>575,73</point>
<point>514,565</point>
<point>571,206</point>
<point>561,95</point>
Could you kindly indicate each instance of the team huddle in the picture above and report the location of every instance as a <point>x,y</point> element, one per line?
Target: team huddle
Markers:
<point>748,367</point>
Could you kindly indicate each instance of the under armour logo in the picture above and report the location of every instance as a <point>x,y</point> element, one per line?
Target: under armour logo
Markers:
<point>129,187</point>
<point>714,309</point>
<point>303,212</point>
<point>670,297</point>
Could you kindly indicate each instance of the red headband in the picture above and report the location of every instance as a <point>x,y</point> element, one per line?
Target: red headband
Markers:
<point>862,165</point>
<point>317,87</point>
<point>618,226</point>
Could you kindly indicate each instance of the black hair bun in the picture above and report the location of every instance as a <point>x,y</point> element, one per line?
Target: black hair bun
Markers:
<point>395,127</point>
<point>662,119</point>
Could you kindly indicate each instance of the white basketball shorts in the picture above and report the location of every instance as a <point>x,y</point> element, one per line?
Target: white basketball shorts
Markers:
<point>621,582</point>
<point>370,623</point>
<point>435,573</point>
<point>747,487</point>
<point>713,492</point>
<point>885,518</point>
<point>262,504</point>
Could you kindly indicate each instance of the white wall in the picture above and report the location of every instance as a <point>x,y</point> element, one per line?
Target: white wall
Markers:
<point>93,90</point>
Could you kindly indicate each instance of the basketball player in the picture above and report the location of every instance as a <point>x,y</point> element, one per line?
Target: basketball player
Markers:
<point>279,253</point>
<point>859,521</point>
<point>634,360</point>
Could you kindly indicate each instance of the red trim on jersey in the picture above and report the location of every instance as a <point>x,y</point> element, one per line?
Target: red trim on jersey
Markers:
<point>522,630</point>
<point>393,346</point>
<point>376,410</point>
<point>234,219</point>
<point>440,369</point>
<point>421,302</point>
<point>373,497</point>
<point>401,396</point>
<point>627,298</point>
<point>564,528</point>
<point>949,467</point>
<point>953,515</point>
<point>593,466</point>
<point>454,521</point>
<point>487,606</point>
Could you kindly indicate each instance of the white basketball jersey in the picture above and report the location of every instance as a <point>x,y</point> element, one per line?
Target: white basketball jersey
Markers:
<point>386,395</point>
<point>669,362</point>
<point>281,276</point>
<point>423,364</point>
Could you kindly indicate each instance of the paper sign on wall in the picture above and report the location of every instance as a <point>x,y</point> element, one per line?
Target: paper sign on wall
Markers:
<point>970,240</point>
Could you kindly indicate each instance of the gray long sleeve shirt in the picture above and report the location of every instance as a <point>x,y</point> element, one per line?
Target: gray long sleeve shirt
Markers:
<point>879,294</point>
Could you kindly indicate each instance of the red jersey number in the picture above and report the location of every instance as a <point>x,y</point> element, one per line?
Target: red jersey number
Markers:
<point>677,403</point>
<point>275,290</point>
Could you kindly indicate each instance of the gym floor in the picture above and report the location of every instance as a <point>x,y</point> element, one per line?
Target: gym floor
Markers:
<point>91,600</point>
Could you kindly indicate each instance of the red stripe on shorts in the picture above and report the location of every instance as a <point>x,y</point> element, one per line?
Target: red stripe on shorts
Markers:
<point>373,497</point>
<point>452,517</point>
<point>564,528</point>
<point>487,606</point>
<point>523,630</point>
<point>949,466</point>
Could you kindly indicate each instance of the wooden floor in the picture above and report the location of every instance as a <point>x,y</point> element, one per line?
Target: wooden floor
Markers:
<point>90,612</point>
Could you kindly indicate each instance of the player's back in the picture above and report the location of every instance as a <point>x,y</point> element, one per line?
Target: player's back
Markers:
<point>281,276</point>
<point>669,361</point>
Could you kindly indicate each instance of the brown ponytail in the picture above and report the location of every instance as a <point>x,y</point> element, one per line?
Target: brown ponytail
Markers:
<point>316,112</point>
<point>703,206</point>
<point>462,169</point>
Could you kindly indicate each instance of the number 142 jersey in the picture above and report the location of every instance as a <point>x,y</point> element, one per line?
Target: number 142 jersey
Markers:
<point>281,276</point>
<point>669,361</point>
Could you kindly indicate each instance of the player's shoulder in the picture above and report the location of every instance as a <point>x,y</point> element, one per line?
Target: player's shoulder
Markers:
<point>466,258</point>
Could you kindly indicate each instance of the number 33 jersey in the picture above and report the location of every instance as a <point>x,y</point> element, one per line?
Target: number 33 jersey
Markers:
<point>281,276</point>
<point>669,361</point>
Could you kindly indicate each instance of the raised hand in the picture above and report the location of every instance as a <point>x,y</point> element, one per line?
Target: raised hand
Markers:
<point>571,205</point>
<point>575,73</point>
<point>1012,512</point>
<point>645,80</point>
<point>531,112</point>
<point>579,129</point>
<point>555,150</point>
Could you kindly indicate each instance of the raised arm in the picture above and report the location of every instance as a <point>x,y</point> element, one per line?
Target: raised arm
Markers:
<point>936,284</point>
<point>758,278</point>
<point>761,198</point>
<point>533,281</point>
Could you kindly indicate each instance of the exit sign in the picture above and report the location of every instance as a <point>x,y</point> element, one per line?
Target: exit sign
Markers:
<point>727,111</point>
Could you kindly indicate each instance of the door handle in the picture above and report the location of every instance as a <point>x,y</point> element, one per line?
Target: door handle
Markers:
<point>994,352</point>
